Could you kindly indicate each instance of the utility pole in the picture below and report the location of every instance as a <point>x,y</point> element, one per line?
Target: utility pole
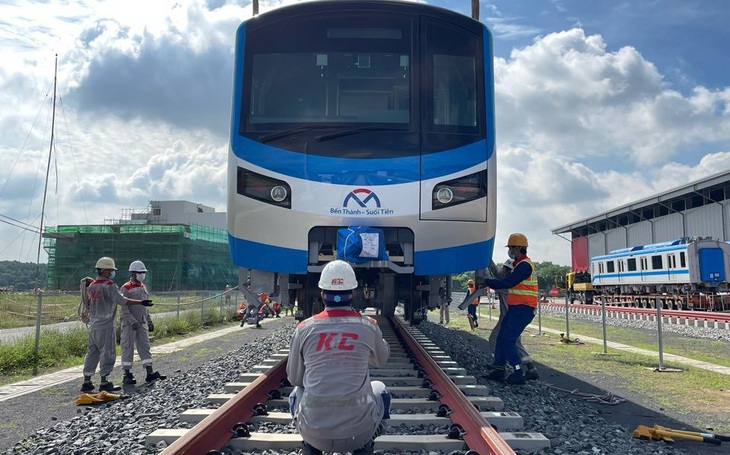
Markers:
<point>474,9</point>
<point>255,5</point>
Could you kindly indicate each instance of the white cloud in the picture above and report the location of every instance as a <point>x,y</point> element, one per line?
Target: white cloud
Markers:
<point>567,93</point>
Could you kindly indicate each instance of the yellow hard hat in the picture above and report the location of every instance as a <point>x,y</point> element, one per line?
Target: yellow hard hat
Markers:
<point>470,282</point>
<point>517,239</point>
<point>106,263</point>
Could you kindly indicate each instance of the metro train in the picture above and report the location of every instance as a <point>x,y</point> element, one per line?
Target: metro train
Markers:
<point>683,274</point>
<point>361,131</point>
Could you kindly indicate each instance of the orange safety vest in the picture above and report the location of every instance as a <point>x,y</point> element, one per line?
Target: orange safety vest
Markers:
<point>525,292</point>
<point>471,291</point>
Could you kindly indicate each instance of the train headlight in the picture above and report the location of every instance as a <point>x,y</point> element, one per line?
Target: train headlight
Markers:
<point>461,190</point>
<point>279,193</point>
<point>444,195</point>
<point>263,188</point>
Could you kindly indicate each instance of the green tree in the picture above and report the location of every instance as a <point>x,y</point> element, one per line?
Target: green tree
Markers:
<point>21,276</point>
<point>549,275</point>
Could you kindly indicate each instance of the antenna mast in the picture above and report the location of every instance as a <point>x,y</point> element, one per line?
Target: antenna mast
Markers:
<point>48,170</point>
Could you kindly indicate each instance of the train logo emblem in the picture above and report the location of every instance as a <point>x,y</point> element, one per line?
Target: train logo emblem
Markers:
<point>361,192</point>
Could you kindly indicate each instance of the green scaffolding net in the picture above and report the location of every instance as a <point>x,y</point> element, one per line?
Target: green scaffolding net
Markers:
<point>178,257</point>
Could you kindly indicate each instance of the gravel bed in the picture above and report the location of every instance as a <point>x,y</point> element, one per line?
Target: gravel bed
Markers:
<point>571,426</point>
<point>119,428</point>
<point>680,329</point>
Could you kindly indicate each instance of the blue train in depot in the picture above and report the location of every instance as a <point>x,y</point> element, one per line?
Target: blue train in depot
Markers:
<point>361,131</point>
<point>683,274</point>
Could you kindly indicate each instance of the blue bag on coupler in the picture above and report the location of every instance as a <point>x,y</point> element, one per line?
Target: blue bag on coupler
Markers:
<point>361,244</point>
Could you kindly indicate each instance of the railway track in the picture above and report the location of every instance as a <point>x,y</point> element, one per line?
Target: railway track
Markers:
<point>436,406</point>
<point>679,317</point>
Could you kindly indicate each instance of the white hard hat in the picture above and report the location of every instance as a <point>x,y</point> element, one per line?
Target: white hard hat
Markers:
<point>509,263</point>
<point>106,263</point>
<point>137,266</point>
<point>337,276</point>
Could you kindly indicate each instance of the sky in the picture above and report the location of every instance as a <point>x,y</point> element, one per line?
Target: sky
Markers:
<point>597,104</point>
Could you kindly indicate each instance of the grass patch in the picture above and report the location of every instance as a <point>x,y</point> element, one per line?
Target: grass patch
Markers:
<point>59,350</point>
<point>713,351</point>
<point>13,423</point>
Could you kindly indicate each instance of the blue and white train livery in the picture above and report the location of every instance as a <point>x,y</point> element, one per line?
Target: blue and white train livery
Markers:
<point>684,273</point>
<point>368,120</point>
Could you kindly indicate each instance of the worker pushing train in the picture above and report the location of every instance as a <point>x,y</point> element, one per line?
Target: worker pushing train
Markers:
<point>522,292</point>
<point>335,406</point>
<point>525,358</point>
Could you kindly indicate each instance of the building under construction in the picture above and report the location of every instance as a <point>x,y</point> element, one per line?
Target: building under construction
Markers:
<point>183,245</point>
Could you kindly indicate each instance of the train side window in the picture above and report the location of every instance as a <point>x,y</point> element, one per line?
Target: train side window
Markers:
<point>657,263</point>
<point>682,261</point>
<point>610,267</point>
<point>631,264</point>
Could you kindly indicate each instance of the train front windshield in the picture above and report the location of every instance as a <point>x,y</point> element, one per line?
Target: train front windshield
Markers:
<point>363,84</point>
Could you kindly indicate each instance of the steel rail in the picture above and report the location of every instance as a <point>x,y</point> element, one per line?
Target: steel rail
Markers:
<point>478,435</point>
<point>216,430</point>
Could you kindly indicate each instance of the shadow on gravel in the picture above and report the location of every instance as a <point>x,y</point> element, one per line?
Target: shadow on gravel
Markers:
<point>628,414</point>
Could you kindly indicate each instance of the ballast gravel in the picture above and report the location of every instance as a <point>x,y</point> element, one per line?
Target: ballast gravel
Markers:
<point>120,428</point>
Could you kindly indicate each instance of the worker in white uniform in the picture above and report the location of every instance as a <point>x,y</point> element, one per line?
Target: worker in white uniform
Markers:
<point>136,326</point>
<point>335,406</point>
<point>103,296</point>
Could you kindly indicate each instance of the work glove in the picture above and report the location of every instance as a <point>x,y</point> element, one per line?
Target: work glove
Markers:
<point>150,326</point>
<point>135,325</point>
<point>146,303</point>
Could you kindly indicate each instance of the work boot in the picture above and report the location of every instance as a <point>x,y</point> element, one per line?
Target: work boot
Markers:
<point>532,375</point>
<point>382,428</point>
<point>310,450</point>
<point>129,378</point>
<point>516,378</point>
<point>367,449</point>
<point>476,324</point>
<point>151,377</point>
<point>87,387</point>
<point>108,387</point>
<point>496,375</point>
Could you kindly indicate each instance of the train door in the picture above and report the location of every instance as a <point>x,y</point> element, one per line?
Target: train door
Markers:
<point>643,269</point>
<point>453,118</point>
<point>712,266</point>
<point>672,274</point>
<point>621,272</point>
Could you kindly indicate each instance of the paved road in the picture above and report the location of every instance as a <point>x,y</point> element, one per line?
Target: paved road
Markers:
<point>9,335</point>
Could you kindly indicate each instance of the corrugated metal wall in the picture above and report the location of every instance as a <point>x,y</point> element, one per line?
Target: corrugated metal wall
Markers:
<point>705,221</point>
<point>668,227</point>
<point>615,239</point>
<point>596,245</point>
<point>640,233</point>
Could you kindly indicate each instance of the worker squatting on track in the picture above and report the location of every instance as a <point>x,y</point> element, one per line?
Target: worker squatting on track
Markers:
<point>525,358</point>
<point>522,292</point>
<point>337,345</point>
<point>136,326</point>
<point>100,298</point>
